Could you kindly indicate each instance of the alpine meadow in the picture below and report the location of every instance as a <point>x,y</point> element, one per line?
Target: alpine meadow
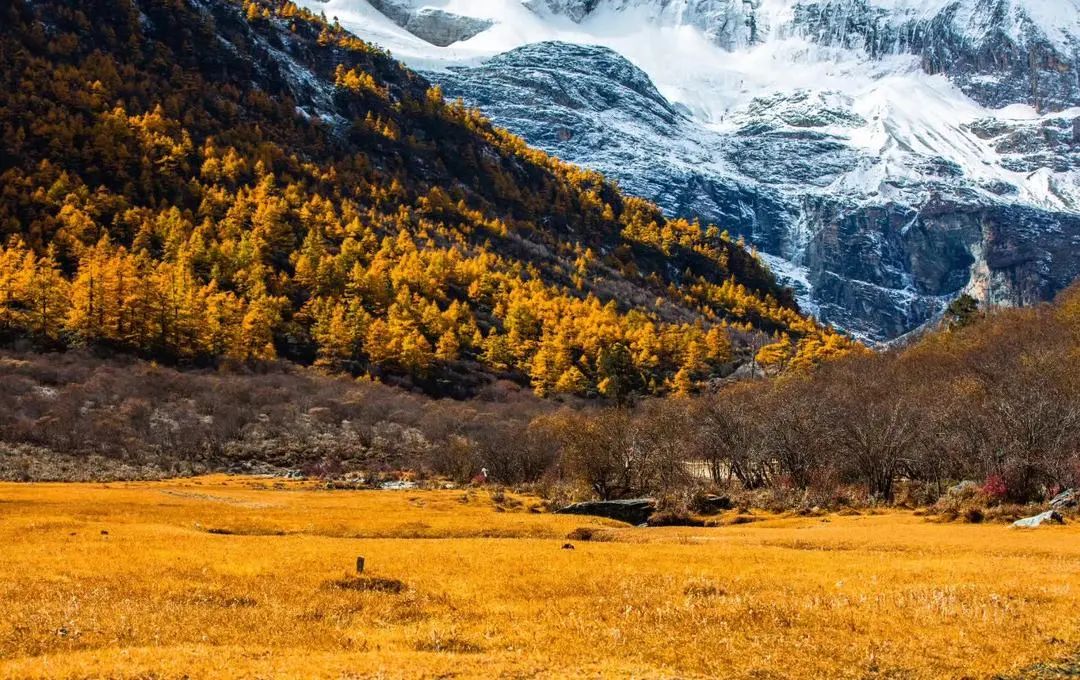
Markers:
<point>540,339</point>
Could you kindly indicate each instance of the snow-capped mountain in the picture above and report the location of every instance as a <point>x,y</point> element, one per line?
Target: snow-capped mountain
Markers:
<point>885,155</point>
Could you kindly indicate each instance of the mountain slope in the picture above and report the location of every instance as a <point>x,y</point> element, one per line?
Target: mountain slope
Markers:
<point>204,180</point>
<point>888,154</point>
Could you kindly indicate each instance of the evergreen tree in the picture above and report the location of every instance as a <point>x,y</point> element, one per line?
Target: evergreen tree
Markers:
<point>962,312</point>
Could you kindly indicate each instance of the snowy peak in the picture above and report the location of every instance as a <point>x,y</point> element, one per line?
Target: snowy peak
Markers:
<point>999,52</point>
<point>737,23</point>
<point>576,10</point>
<point>1023,21</point>
<point>730,24</point>
<point>979,44</point>
<point>885,154</point>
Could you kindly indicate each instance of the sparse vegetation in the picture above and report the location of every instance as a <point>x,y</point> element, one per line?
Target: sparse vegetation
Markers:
<point>977,420</point>
<point>830,596</point>
<point>74,416</point>
<point>348,283</point>
<point>974,423</point>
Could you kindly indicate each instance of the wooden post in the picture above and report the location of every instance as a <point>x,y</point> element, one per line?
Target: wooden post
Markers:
<point>359,565</point>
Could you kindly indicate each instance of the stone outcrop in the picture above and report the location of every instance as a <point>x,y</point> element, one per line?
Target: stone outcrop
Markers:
<point>433,25</point>
<point>632,511</point>
<point>877,265</point>
<point>1070,498</point>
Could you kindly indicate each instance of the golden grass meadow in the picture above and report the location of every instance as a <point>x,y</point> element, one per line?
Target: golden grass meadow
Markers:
<point>241,577</point>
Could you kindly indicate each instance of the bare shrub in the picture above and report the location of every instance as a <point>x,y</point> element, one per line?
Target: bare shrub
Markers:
<point>369,584</point>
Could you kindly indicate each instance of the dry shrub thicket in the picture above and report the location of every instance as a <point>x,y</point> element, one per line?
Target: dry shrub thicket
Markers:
<point>997,402</point>
<point>76,416</point>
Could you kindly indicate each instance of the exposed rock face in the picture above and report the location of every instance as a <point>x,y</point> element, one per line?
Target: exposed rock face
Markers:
<point>575,9</point>
<point>634,511</point>
<point>1028,146</point>
<point>878,152</point>
<point>879,261</point>
<point>443,28</point>
<point>1070,498</point>
<point>398,10</point>
<point>432,25</point>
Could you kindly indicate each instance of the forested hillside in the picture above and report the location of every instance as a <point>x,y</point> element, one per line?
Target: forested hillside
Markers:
<point>200,181</point>
<point>991,398</point>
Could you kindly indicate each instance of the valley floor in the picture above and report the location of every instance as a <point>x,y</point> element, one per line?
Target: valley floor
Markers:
<point>241,577</point>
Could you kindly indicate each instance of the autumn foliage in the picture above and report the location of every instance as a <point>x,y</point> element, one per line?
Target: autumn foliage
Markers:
<point>167,195</point>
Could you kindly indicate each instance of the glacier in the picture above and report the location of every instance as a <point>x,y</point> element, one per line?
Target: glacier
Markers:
<point>883,155</point>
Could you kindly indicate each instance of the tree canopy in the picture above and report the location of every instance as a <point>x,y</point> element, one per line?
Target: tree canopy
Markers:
<point>173,188</point>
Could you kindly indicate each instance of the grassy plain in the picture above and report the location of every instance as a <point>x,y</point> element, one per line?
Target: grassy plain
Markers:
<point>237,577</point>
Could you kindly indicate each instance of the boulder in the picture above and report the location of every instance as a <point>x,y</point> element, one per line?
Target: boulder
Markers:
<point>965,488</point>
<point>1068,498</point>
<point>632,511</point>
<point>1050,516</point>
<point>712,504</point>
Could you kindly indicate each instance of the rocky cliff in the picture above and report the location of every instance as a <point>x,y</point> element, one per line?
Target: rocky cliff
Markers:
<point>886,155</point>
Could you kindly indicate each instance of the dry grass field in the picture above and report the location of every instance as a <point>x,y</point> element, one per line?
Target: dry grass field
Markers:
<point>235,577</point>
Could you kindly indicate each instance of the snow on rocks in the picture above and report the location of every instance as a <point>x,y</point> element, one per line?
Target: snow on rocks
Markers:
<point>878,146</point>
<point>1048,517</point>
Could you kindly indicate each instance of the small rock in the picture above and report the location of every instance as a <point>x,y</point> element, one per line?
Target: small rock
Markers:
<point>1068,498</point>
<point>398,485</point>
<point>568,546</point>
<point>711,503</point>
<point>965,488</point>
<point>1050,516</point>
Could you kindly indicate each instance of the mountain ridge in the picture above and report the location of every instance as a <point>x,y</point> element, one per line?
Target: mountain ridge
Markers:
<point>804,117</point>
<point>291,191</point>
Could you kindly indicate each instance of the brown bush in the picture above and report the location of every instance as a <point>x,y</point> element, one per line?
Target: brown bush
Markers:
<point>370,584</point>
<point>586,534</point>
<point>78,416</point>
